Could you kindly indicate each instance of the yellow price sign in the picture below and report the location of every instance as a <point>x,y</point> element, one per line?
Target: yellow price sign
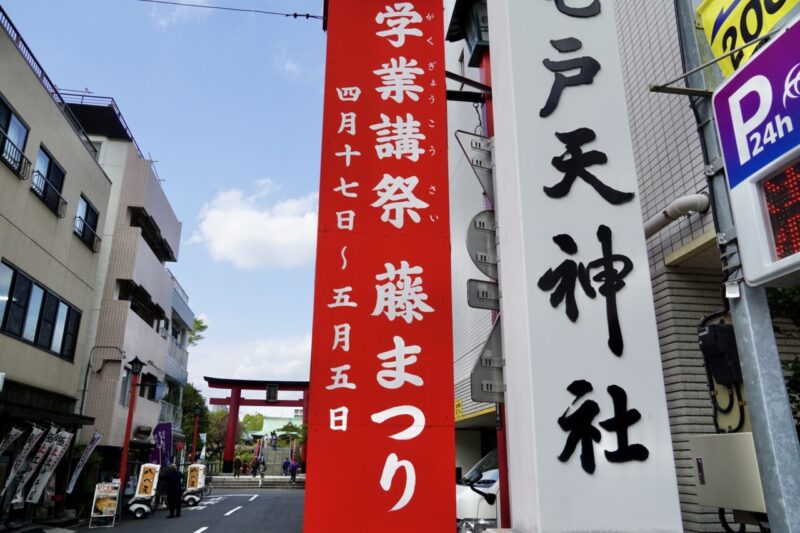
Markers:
<point>459,411</point>
<point>729,24</point>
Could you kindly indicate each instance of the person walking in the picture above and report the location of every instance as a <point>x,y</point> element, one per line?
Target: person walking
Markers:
<point>174,482</point>
<point>254,467</point>
<point>293,469</point>
<point>237,466</point>
<point>262,469</point>
<point>285,467</point>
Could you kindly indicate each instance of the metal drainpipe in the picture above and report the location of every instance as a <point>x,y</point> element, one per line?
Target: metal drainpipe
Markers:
<point>774,435</point>
<point>685,205</point>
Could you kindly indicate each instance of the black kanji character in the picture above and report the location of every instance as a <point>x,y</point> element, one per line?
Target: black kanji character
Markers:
<point>592,10</point>
<point>579,426</point>
<point>563,279</point>
<point>575,167</point>
<point>611,282</point>
<point>623,419</point>
<point>587,67</point>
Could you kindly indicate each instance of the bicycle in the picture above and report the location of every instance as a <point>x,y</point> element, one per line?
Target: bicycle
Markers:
<point>208,488</point>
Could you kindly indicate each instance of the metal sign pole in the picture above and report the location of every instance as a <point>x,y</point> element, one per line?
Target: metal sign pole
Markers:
<point>774,434</point>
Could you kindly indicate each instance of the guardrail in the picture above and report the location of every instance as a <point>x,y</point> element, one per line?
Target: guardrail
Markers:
<point>14,158</point>
<point>48,194</point>
<point>86,234</point>
<point>47,83</point>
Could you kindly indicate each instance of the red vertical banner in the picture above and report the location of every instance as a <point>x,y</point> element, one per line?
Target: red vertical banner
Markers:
<point>381,437</point>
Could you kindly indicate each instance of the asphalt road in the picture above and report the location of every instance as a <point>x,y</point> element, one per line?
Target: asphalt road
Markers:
<point>271,511</point>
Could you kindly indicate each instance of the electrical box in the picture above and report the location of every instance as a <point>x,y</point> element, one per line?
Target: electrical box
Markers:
<point>718,344</point>
<point>726,471</point>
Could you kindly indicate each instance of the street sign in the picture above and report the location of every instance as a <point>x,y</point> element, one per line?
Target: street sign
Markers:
<point>483,294</point>
<point>481,242</point>
<point>478,151</point>
<point>486,379</point>
<point>758,121</point>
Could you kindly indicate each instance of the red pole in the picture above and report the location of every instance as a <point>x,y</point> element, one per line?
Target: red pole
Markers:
<point>304,447</point>
<point>230,432</point>
<point>128,425</point>
<point>193,458</point>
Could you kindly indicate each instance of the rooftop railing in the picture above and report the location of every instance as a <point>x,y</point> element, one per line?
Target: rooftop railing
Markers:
<point>49,86</point>
<point>72,97</point>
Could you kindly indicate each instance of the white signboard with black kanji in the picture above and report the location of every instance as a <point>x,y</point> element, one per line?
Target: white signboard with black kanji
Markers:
<point>588,433</point>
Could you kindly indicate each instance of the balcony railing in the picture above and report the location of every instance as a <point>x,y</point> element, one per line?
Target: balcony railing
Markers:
<point>14,158</point>
<point>178,353</point>
<point>170,413</point>
<point>86,234</point>
<point>48,194</point>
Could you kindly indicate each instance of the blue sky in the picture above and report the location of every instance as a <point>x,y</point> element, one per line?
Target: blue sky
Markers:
<point>230,107</point>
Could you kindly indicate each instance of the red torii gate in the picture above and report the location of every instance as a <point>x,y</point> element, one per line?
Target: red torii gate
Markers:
<point>235,400</point>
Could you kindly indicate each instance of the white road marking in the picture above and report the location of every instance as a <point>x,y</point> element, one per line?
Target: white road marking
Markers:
<point>196,508</point>
<point>254,497</point>
<point>231,511</point>
<point>201,529</point>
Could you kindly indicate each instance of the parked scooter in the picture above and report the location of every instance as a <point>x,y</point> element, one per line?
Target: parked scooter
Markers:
<point>195,484</point>
<point>141,506</point>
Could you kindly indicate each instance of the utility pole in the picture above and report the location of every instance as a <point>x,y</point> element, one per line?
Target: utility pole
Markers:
<point>774,433</point>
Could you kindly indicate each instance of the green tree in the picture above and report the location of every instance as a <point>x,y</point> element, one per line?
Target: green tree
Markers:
<point>195,335</point>
<point>191,398</point>
<point>253,422</point>
<point>217,430</point>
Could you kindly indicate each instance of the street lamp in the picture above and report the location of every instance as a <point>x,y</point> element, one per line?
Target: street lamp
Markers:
<point>136,370</point>
<point>196,425</point>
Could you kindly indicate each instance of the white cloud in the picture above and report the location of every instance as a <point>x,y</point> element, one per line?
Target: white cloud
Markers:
<point>287,65</point>
<point>165,16</point>
<point>285,359</point>
<point>238,228</point>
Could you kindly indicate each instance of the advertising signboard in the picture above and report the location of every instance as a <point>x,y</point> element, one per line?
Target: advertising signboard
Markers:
<point>729,24</point>
<point>758,121</point>
<point>148,480</point>
<point>196,477</point>
<point>382,365</point>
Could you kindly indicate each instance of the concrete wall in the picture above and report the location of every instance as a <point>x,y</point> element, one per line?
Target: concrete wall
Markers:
<point>36,240</point>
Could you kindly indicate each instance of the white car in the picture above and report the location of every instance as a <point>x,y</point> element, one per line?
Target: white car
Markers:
<point>477,497</point>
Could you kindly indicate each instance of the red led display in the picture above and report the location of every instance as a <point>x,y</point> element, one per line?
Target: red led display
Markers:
<point>782,194</point>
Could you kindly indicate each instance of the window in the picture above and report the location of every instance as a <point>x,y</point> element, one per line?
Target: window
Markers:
<point>13,134</point>
<point>47,183</point>
<point>35,315</point>
<point>5,287</point>
<point>86,224</point>
<point>148,386</point>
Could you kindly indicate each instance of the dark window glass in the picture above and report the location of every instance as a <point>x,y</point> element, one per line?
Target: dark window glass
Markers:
<point>32,314</point>
<point>17,304</point>
<point>47,325</point>
<point>71,334</point>
<point>61,324</point>
<point>6,274</point>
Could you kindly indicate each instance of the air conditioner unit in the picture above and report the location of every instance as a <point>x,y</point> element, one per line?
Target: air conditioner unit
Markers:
<point>164,332</point>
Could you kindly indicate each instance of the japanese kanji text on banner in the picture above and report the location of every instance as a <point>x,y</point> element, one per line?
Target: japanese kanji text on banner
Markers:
<point>381,367</point>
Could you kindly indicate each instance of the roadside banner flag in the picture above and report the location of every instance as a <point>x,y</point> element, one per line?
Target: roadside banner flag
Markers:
<point>87,452</point>
<point>33,438</point>
<point>33,466</point>
<point>9,438</point>
<point>57,452</point>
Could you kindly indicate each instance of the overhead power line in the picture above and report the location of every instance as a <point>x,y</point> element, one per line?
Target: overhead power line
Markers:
<point>237,9</point>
